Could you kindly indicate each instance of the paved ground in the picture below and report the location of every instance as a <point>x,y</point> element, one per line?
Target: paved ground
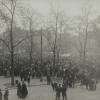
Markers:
<point>44,92</point>
<point>5,82</point>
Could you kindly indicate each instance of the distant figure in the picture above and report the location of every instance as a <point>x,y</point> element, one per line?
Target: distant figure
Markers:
<point>0,95</point>
<point>21,75</point>
<point>33,74</point>
<point>54,85</point>
<point>92,84</point>
<point>8,73</point>
<point>19,91</point>
<point>48,79</point>
<point>24,90</point>
<point>6,94</point>
<point>41,77</point>
<point>28,80</point>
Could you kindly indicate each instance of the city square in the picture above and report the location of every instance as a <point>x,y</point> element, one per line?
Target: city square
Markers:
<point>49,50</point>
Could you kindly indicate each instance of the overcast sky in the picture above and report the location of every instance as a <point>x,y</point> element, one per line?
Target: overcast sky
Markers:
<point>71,7</point>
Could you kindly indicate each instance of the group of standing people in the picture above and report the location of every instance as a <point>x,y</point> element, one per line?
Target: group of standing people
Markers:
<point>22,90</point>
<point>6,94</point>
<point>60,89</point>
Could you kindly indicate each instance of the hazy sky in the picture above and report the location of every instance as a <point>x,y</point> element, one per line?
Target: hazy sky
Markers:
<point>71,7</point>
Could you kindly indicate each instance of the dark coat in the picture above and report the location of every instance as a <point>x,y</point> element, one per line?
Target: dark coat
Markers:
<point>6,95</point>
<point>19,90</point>
<point>24,90</point>
<point>0,95</point>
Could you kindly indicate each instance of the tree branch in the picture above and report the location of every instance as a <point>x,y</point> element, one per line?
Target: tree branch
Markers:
<point>14,8</point>
<point>6,6</point>
<point>4,16</point>
<point>5,44</point>
<point>18,43</point>
<point>48,40</point>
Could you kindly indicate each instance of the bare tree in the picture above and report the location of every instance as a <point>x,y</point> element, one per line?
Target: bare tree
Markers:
<point>10,7</point>
<point>86,36</point>
<point>55,28</point>
<point>29,19</point>
<point>41,47</point>
<point>83,30</point>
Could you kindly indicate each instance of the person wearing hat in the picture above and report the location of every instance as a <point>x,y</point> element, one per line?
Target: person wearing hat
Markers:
<point>0,95</point>
<point>24,90</point>
<point>6,94</point>
<point>64,95</point>
<point>58,88</point>
<point>19,91</point>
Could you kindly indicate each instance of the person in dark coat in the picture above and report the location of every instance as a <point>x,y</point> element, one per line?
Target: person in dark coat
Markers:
<point>48,79</point>
<point>0,95</point>
<point>33,74</point>
<point>21,75</point>
<point>6,94</point>
<point>28,80</point>
<point>54,85</point>
<point>19,92</point>
<point>64,95</point>
<point>24,90</point>
<point>58,90</point>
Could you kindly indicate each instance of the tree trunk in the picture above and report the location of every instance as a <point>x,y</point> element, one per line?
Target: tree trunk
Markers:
<point>55,43</point>
<point>31,42</point>
<point>12,52</point>
<point>12,67</point>
<point>41,48</point>
<point>31,49</point>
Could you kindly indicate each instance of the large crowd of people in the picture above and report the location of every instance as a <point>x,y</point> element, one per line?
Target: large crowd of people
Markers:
<point>67,78</point>
<point>59,78</point>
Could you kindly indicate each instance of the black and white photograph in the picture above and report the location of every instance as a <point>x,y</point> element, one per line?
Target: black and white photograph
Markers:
<point>49,49</point>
